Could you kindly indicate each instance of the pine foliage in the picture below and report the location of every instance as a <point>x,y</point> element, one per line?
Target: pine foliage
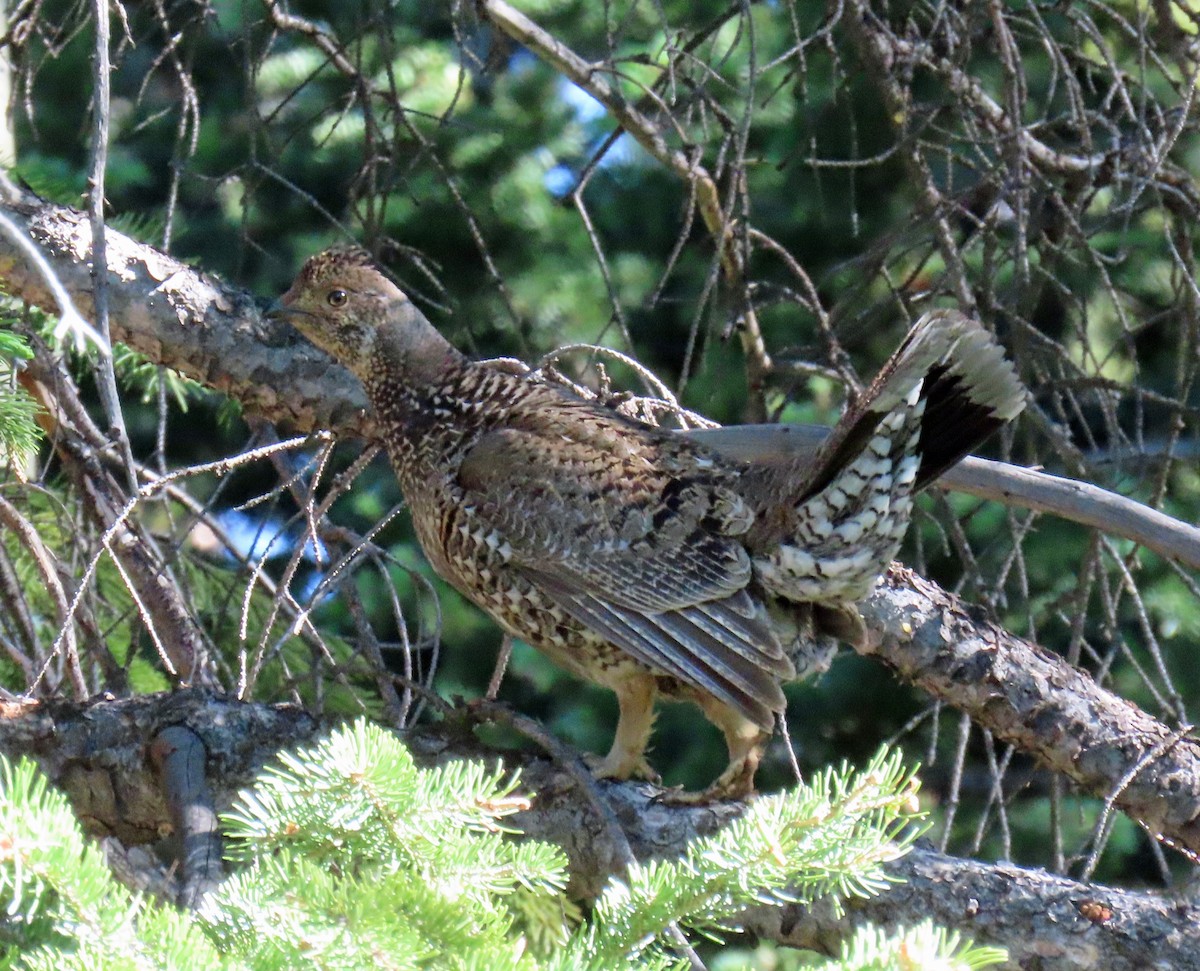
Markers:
<point>347,855</point>
<point>61,909</point>
<point>19,432</point>
<point>921,948</point>
<point>827,838</point>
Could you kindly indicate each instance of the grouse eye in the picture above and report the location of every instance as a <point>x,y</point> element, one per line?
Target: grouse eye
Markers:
<point>336,298</point>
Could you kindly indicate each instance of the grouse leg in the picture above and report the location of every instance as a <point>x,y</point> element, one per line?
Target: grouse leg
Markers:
<point>627,757</point>
<point>745,741</point>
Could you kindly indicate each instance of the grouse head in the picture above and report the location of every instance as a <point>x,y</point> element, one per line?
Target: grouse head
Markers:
<point>342,303</point>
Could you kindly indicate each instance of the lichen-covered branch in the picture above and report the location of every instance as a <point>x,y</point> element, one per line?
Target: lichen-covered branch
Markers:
<point>1036,701</point>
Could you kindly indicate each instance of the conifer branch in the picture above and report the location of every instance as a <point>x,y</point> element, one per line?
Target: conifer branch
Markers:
<point>98,754</point>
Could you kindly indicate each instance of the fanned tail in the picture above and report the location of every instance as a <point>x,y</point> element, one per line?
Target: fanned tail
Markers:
<point>966,390</point>
<point>945,390</point>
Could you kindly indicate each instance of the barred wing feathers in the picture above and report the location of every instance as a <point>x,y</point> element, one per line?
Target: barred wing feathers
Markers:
<point>636,537</point>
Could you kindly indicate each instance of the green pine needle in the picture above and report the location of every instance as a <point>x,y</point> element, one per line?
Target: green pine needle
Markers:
<point>137,373</point>
<point>62,908</point>
<point>921,948</point>
<point>19,432</point>
<point>349,856</point>
<point>829,837</point>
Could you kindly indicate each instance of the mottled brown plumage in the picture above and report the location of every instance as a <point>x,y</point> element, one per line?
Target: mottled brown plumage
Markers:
<point>696,566</point>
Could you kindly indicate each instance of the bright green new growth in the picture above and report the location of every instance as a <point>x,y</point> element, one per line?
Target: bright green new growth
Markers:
<point>921,948</point>
<point>350,856</point>
<point>390,858</point>
<point>828,837</point>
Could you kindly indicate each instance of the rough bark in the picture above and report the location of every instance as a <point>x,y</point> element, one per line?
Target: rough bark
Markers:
<point>111,758</point>
<point>1032,698</point>
<point>186,320</point>
<point>1045,921</point>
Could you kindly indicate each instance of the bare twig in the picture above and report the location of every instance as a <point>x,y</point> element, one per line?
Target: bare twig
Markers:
<point>167,619</point>
<point>590,77</point>
<point>502,658</point>
<point>106,379</point>
<point>44,560</point>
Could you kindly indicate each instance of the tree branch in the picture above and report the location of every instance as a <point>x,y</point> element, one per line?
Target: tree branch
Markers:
<point>1043,920</point>
<point>101,755</point>
<point>183,319</point>
<point>896,57</point>
<point>78,444</point>
<point>1025,695</point>
<point>203,328</point>
<point>649,134</point>
<point>1011,485</point>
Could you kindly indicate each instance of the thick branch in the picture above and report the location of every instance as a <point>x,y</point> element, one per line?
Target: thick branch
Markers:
<point>1080,502</point>
<point>179,756</point>
<point>1045,921</point>
<point>1042,705</point>
<point>183,319</point>
<point>102,756</point>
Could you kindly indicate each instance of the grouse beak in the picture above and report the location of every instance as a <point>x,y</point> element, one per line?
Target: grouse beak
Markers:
<point>278,310</point>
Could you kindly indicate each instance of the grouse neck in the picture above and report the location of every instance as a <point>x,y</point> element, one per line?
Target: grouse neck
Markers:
<point>458,397</point>
<point>408,350</point>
